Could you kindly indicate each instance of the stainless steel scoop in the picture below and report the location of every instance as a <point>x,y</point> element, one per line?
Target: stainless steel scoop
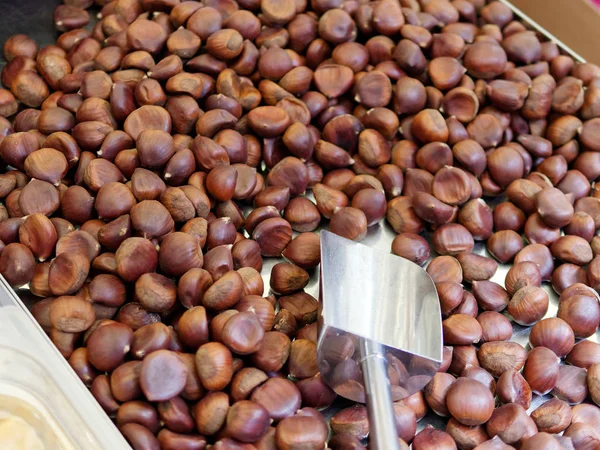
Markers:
<point>380,330</point>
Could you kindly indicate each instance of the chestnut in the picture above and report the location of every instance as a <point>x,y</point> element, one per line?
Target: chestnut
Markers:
<point>504,245</point>
<point>211,412</point>
<point>148,338</point>
<point>247,421</point>
<point>243,333</point>
<point>466,436</point>
<point>155,292</point>
<point>544,439</point>
<point>108,345</point>
<point>274,388</point>
<point>302,359</point>
<point>125,381</point>
<point>452,239</point>
<point>287,278</point>
<point>173,379</point>
<point>301,430</point>
<point>498,357</point>
<point>445,269</point>
<point>436,391</point>
<point>490,295</point>
<point>139,436</point>
<point>344,441</point>
<point>522,274</point>
<point>571,385</point>
<point>126,255</point>
<point>584,354</point>
<point>475,267</point>
<point>593,382</point>
<point>581,312</point>
<point>304,250</point>
<point>179,252</point>
<point>412,247</point>
<point>553,416</point>
<point>176,415</point>
<point>495,326</point>
<point>513,388</point>
<point>39,234</point>
<point>100,389</point>
<point>350,223</point>
<point>460,329</point>
<point>470,402</point>
<point>71,314</point>
<point>170,440</point>
<point>528,305</point>
<point>352,420</point>
<point>430,438</point>
<point>80,364</point>
<point>140,412</point>
<point>553,333</point>
<point>541,369</point>
<point>479,374</point>
<point>214,365</point>
<point>509,422</point>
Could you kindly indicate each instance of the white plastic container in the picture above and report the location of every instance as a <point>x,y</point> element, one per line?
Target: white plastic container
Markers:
<point>38,387</point>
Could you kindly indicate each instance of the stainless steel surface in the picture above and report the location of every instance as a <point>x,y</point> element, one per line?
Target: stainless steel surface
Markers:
<point>379,296</point>
<point>375,308</point>
<point>384,434</point>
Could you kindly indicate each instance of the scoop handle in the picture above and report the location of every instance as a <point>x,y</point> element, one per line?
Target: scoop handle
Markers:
<point>382,421</point>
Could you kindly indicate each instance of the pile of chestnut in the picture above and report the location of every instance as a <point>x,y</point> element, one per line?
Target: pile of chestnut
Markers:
<point>133,149</point>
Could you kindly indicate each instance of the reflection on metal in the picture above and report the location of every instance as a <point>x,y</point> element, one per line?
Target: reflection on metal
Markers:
<point>380,329</point>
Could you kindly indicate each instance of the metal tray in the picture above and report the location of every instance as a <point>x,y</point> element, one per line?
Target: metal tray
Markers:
<point>34,17</point>
<point>381,236</point>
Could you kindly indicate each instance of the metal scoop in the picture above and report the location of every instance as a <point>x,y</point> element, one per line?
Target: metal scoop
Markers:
<point>380,330</point>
